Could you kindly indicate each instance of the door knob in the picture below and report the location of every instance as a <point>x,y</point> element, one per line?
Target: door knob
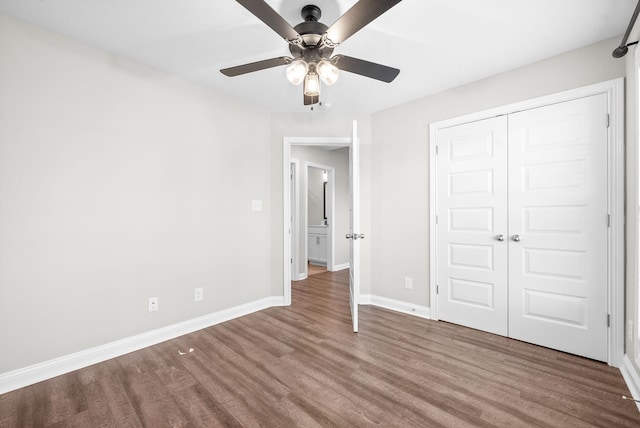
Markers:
<point>515,238</point>
<point>500,237</point>
<point>354,236</point>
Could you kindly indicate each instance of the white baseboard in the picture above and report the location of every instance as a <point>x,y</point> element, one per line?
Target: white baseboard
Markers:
<point>343,266</point>
<point>631,377</point>
<point>396,305</point>
<point>46,370</point>
<point>336,268</point>
<point>277,301</point>
<point>29,375</point>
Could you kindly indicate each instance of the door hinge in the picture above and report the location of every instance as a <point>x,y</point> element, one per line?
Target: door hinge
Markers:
<point>608,320</point>
<point>608,120</point>
<point>437,289</point>
<point>436,219</point>
<point>608,220</point>
<point>436,149</point>
<point>291,261</point>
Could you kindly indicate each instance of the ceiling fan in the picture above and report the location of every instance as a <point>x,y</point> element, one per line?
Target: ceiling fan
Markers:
<point>311,44</point>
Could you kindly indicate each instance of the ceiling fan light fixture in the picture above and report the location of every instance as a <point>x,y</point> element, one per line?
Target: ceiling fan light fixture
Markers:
<point>312,84</point>
<point>328,72</point>
<point>311,45</point>
<point>297,71</point>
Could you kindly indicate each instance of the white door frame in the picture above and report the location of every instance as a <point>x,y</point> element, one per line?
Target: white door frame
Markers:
<point>294,215</point>
<point>287,142</point>
<point>614,89</point>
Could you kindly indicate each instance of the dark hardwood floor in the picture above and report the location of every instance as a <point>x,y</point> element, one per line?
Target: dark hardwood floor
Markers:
<point>302,366</point>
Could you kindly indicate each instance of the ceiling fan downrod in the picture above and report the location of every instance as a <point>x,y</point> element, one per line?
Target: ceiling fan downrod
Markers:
<point>311,12</point>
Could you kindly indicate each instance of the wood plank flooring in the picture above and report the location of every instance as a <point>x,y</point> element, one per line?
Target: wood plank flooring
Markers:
<point>301,366</point>
<point>315,269</point>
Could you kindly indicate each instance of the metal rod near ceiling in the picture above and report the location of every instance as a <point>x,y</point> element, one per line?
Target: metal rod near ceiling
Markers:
<point>622,50</point>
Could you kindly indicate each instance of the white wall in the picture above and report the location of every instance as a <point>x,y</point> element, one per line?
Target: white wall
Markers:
<point>119,183</point>
<point>339,159</point>
<point>315,196</point>
<point>400,158</point>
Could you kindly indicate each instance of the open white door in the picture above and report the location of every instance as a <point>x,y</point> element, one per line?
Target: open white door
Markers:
<point>354,234</point>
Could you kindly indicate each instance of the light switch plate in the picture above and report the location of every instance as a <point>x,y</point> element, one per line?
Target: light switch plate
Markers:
<point>153,304</point>
<point>408,283</point>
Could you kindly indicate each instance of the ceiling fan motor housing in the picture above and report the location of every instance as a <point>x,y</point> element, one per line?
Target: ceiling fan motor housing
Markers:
<point>311,31</point>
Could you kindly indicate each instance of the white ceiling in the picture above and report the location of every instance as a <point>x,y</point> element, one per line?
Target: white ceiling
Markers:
<point>437,44</point>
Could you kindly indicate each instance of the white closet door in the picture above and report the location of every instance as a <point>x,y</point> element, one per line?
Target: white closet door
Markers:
<point>472,214</point>
<point>558,226</point>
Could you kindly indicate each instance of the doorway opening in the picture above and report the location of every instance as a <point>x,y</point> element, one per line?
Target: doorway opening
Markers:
<point>352,235</point>
<point>317,226</point>
<point>311,208</point>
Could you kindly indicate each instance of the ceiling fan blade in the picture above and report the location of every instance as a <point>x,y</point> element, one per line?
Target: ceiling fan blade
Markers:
<point>365,68</point>
<point>310,100</point>
<point>255,66</point>
<point>266,14</point>
<point>361,14</point>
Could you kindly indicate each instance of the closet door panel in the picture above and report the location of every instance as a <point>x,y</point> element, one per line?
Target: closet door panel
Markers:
<point>472,262</point>
<point>558,226</point>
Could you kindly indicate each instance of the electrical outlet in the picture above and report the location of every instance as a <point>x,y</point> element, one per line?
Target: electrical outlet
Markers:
<point>198,294</point>
<point>408,283</point>
<point>153,304</point>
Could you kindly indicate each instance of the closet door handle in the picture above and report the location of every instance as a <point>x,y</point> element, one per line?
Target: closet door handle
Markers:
<point>515,238</point>
<point>500,237</point>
